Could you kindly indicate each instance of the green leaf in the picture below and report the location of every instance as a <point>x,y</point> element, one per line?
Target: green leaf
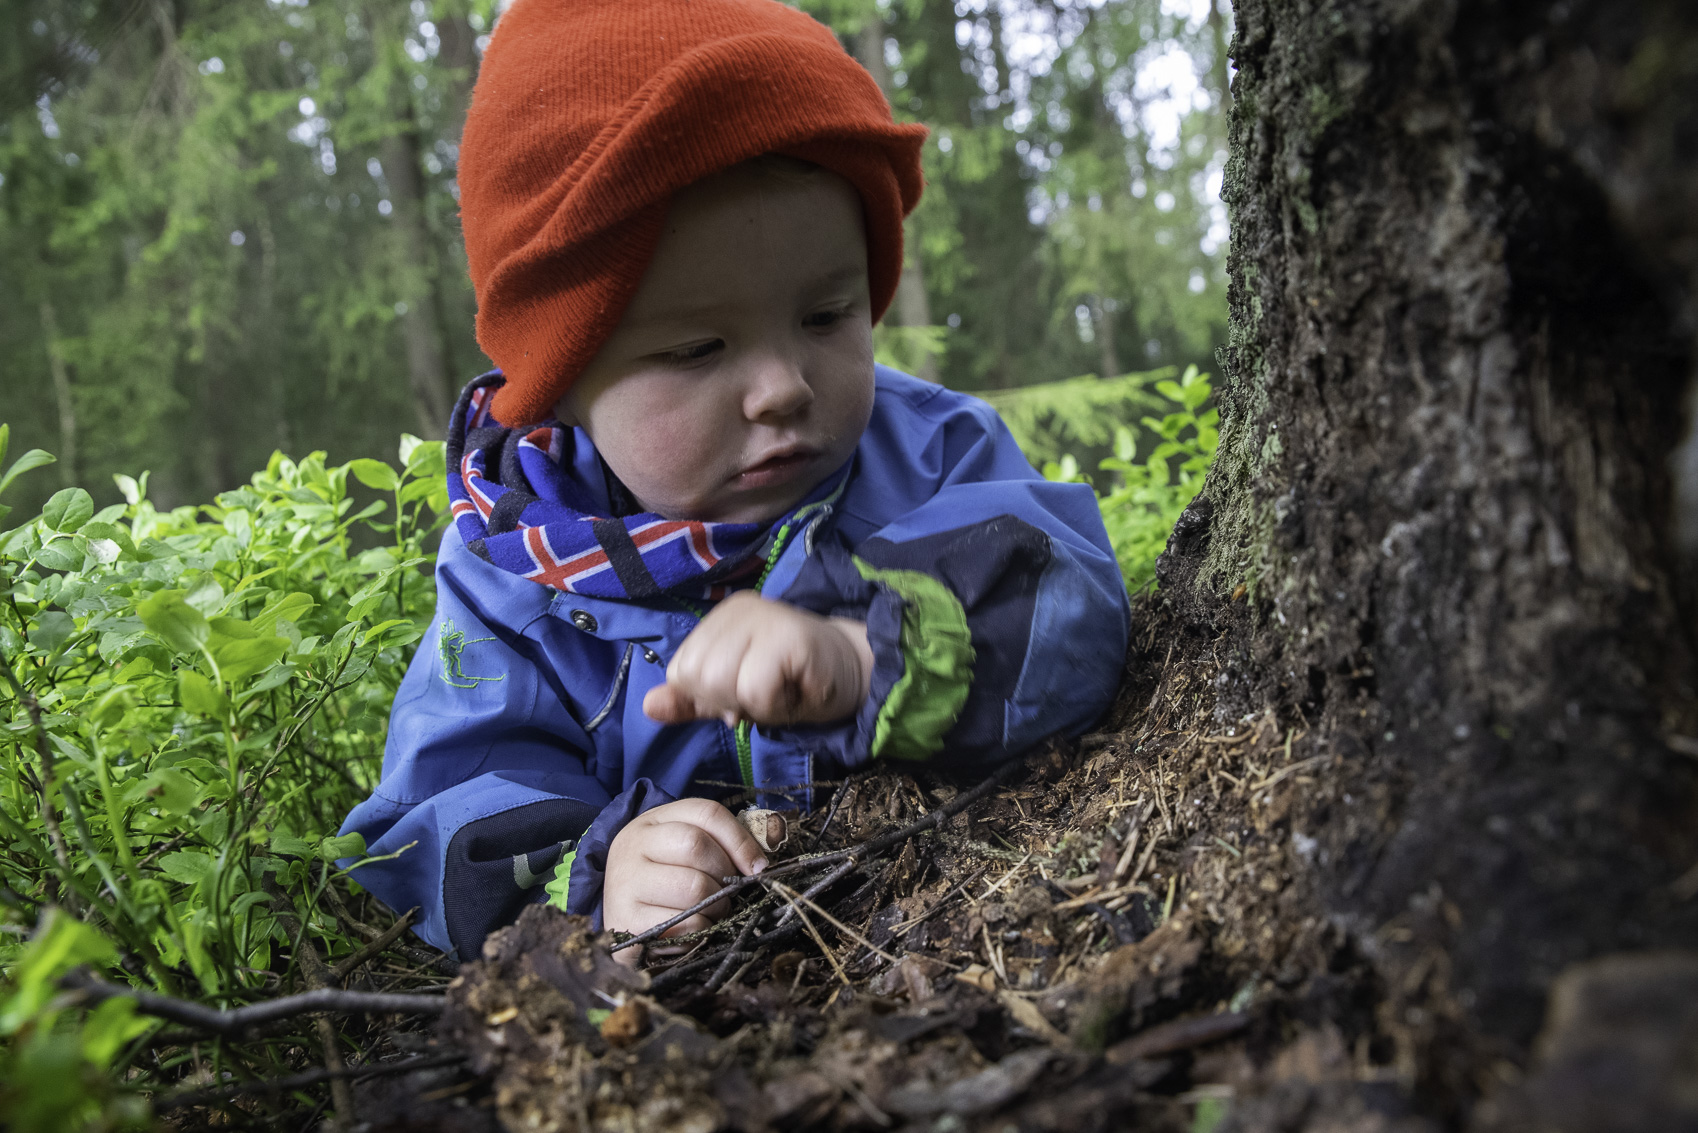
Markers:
<point>187,866</point>
<point>61,554</point>
<point>428,459</point>
<point>201,696</point>
<point>278,677</point>
<point>52,628</point>
<point>111,707</point>
<point>416,490</point>
<point>68,510</point>
<point>375,474</point>
<point>239,658</point>
<point>110,1027</point>
<point>287,844</point>
<point>347,846</point>
<point>172,791</point>
<point>62,944</point>
<point>409,444</point>
<point>34,458</point>
<point>108,532</point>
<point>206,595</point>
<point>225,629</point>
<point>131,491</point>
<point>174,621</point>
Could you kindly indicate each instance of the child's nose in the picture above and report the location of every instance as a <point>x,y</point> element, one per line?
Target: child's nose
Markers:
<point>777,389</point>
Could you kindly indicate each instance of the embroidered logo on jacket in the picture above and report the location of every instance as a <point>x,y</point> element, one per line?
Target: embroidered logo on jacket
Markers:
<point>450,646</point>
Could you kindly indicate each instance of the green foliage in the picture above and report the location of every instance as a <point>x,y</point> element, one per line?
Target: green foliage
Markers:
<point>1145,490</point>
<point>190,702</point>
<point>232,222</point>
<point>1054,418</point>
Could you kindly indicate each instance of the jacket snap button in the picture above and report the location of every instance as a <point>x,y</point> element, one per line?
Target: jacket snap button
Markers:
<point>651,656</point>
<point>584,620</point>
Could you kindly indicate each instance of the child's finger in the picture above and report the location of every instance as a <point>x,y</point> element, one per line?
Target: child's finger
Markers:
<point>722,826</point>
<point>653,915</point>
<point>766,690</point>
<point>677,887</point>
<point>683,843</point>
<point>669,704</point>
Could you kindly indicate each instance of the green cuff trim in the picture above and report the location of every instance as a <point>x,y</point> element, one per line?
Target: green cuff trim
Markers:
<point>560,882</point>
<point>937,671</point>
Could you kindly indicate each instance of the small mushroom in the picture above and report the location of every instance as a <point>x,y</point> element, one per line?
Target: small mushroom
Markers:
<point>767,826</point>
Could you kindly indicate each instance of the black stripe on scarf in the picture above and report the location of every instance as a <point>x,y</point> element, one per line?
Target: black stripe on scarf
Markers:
<point>625,559</point>
<point>504,516</point>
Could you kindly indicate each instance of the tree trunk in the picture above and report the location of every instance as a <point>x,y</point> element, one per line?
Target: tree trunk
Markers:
<point>913,308</point>
<point>62,398</point>
<point>1102,325</point>
<point>1435,557</point>
<point>421,329</point>
<point>1219,76</point>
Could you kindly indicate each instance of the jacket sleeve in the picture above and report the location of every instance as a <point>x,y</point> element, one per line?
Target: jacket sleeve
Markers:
<point>996,611</point>
<point>485,787</point>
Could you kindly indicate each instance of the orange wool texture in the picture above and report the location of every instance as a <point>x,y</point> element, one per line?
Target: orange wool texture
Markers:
<point>588,115</point>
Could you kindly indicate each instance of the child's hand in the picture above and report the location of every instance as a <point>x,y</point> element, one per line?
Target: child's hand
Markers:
<point>667,859</point>
<point>768,661</point>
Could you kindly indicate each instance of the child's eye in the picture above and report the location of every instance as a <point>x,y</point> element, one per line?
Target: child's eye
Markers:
<point>821,320</point>
<point>689,354</point>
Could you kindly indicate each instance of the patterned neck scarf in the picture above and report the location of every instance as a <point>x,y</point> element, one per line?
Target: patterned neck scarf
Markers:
<point>517,504</point>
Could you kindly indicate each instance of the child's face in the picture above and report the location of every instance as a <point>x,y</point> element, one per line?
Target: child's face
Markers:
<point>742,373</point>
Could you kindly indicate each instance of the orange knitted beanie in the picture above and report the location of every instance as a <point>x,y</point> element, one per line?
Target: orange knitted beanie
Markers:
<point>589,115</point>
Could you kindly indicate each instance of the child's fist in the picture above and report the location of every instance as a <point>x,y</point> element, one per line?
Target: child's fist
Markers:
<point>768,661</point>
<point>667,859</point>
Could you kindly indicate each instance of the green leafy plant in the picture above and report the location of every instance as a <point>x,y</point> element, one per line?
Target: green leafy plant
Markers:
<point>190,702</point>
<point>1056,418</point>
<point>1145,492</point>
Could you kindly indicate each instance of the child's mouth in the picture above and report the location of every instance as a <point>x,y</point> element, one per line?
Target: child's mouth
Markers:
<point>777,468</point>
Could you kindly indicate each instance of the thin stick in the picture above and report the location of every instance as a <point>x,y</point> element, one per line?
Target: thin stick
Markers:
<point>941,902</point>
<point>319,978</point>
<point>1098,898</point>
<point>678,972</point>
<point>853,855</point>
<point>823,884</point>
<point>819,940</point>
<point>1005,877</point>
<point>791,895</point>
<point>720,973</point>
<point>305,1079</point>
<point>371,949</point>
<point>234,1022</point>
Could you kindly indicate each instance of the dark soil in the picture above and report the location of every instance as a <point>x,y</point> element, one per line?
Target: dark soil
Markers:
<point>1085,949</point>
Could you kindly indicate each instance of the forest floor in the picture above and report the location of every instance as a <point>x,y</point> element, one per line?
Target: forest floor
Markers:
<point>1087,946</point>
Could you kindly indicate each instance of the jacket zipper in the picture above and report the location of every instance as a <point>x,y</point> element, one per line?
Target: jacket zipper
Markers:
<point>741,733</point>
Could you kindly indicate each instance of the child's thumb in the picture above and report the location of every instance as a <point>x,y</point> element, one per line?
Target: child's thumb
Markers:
<point>665,704</point>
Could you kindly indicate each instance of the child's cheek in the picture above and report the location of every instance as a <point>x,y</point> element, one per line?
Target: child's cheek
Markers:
<point>663,448</point>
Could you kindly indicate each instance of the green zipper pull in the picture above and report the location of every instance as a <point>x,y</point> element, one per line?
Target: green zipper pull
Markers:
<point>745,754</point>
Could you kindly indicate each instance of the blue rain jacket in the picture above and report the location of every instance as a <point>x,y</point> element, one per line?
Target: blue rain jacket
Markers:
<point>517,743</point>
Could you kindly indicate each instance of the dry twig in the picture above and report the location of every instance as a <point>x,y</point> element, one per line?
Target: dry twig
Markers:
<point>241,1019</point>
<point>850,858</point>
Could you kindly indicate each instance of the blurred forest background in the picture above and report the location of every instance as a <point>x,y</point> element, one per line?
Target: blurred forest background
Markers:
<point>227,228</point>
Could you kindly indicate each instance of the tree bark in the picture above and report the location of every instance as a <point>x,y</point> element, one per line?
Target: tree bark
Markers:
<point>421,329</point>
<point>62,397</point>
<point>1219,75</point>
<point>913,308</point>
<point>1436,550</point>
<point>1102,325</point>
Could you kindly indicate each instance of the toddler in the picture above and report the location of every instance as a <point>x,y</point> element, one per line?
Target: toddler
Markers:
<point>699,538</point>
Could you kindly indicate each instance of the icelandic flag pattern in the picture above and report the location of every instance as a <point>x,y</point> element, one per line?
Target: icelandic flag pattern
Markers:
<point>511,496</point>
